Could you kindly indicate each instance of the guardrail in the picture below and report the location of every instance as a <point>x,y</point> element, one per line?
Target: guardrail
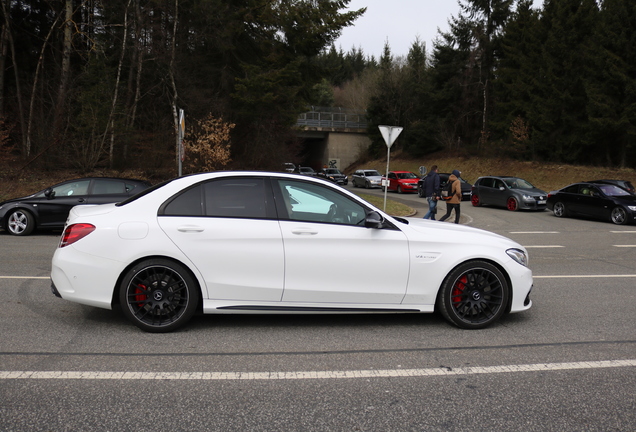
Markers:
<point>333,118</point>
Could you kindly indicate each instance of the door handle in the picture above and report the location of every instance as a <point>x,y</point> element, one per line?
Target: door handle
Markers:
<point>304,231</point>
<point>190,228</point>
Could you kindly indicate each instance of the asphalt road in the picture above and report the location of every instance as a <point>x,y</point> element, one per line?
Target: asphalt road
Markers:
<point>567,364</point>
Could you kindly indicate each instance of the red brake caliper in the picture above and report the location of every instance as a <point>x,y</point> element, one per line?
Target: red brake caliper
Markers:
<point>140,295</point>
<point>458,290</point>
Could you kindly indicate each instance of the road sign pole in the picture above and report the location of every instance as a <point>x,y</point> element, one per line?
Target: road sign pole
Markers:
<point>390,134</point>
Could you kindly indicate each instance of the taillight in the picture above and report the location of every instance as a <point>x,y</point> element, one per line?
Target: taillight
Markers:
<point>75,232</point>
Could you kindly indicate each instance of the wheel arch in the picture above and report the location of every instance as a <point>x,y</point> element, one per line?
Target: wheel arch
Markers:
<point>115,298</point>
<point>499,267</point>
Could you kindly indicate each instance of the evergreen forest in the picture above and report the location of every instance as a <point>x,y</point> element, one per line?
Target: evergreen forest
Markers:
<point>96,83</point>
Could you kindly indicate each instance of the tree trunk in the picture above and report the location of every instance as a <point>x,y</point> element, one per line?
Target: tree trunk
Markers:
<point>66,67</point>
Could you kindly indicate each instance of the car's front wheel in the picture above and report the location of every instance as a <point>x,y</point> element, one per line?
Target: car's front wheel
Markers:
<point>619,216</point>
<point>474,295</point>
<point>20,223</point>
<point>159,295</point>
<point>367,185</point>
<point>559,209</point>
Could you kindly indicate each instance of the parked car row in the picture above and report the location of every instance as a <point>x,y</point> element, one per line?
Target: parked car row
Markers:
<point>605,199</point>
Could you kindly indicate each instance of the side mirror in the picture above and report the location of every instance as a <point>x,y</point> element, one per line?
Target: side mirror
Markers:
<point>374,220</point>
<point>49,193</point>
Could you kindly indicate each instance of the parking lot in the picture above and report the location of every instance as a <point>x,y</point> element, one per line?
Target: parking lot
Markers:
<point>567,364</point>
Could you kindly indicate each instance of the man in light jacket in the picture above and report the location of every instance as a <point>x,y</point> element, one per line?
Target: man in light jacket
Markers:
<point>453,203</point>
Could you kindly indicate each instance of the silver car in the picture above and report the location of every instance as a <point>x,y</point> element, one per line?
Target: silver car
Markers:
<point>367,178</point>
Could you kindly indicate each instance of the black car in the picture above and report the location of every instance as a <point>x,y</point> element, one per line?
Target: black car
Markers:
<point>443,179</point>
<point>513,193</point>
<point>594,200</point>
<point>625,184</point>
<point>49,208</point>
<point>334,175</point>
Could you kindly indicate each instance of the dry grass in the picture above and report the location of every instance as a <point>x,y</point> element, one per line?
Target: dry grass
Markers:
<point>545,176</point>
<point>16,181</point>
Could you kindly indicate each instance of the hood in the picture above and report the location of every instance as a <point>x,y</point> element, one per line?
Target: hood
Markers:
<point>13,200</point>
<point>425,225</point>
<point>627,199</point>
<point>533,191</point>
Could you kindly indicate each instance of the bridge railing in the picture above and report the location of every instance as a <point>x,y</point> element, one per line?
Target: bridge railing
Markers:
<point>332,118</point>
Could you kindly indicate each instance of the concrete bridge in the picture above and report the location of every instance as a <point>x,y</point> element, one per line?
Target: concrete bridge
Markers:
<point>332,136</point>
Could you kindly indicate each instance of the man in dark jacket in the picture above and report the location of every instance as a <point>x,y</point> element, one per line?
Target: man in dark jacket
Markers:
<point>431,192</point>
<point>456,196</point>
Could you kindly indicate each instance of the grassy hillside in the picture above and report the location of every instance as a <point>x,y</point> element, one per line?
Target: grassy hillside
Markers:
<point>545,176</point>
<point>15,182</point>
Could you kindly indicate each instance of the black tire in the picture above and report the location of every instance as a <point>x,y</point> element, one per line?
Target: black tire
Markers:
<point>559,209</point>
<point>399,189</point>
<point>159,295</point>
<point>20,223</point>
<point>474,295</point>
<point>367,185</point>
<point>420,192</point>
<point>618,216</point>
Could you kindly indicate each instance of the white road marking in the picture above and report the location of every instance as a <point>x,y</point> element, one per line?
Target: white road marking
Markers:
<point>342,374</point>
<point>584,276</point>
<point>25,277</point>
<point>625,246</point>
<point>543,246</point>
<point>534,232</point>
<point>622,232</point>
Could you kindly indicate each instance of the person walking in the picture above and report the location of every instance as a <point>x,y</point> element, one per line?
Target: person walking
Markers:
<point>456,196</point>
<point>431,192</point>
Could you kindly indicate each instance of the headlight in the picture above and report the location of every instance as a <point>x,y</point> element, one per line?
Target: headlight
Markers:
<point>632,208</point>
<point>519,256</point>
<point>528,198</point>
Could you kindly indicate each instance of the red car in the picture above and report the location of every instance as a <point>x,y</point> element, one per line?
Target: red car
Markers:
<point>402,181</point>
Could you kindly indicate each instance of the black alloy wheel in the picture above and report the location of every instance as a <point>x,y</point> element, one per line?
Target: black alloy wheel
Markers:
<point>559,209</point>
<point>474,295</point>
<point>159,295</point>
<point>619,216</point>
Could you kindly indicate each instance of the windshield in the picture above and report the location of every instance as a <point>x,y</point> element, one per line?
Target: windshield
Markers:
<point>611,190</point>
<point>407,175</point>
<point>332,171</point>
<point>372,174</point>
<point>517,183</point>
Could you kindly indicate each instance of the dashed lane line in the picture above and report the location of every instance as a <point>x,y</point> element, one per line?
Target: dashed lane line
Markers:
<point>303,375</point>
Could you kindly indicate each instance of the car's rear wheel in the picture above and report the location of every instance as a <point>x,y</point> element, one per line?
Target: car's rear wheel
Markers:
<point>619,216</point>
<point>474,295</point>
<point>474,200</point>
<point>559,209</point>
<point>512,204</point>
<point>20,223</point>
<point>159,295</point>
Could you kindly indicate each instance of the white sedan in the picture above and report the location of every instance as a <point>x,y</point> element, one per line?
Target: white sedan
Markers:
<point>253,242</point>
